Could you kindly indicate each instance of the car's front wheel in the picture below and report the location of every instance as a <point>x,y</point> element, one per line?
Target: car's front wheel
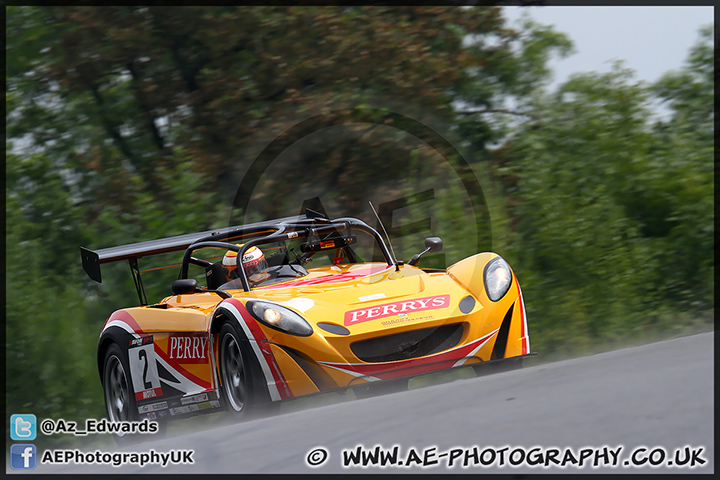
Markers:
<point>235,372</point>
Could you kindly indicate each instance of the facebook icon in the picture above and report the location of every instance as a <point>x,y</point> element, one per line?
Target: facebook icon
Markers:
<point>23,457</point>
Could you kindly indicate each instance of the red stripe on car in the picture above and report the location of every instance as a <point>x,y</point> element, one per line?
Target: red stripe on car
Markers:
<point>124,317</point>
<point>523,322</point>
<point>262,342</point>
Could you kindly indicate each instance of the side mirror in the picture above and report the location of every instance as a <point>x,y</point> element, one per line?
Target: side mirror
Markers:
<point>432,244</point>
<point>184,286</point>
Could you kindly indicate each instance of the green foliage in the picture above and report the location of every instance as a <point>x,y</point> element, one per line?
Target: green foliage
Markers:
<point>127,85</point>
<point>612,209</point>
<point>50,343</point>
<point>685,150</point>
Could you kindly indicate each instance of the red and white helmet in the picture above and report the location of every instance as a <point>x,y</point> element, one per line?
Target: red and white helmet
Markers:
<point>253,262</point>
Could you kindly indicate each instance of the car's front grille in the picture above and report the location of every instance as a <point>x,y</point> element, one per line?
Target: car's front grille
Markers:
<point>411,344</point>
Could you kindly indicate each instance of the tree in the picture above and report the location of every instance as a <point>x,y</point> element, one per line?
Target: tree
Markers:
<point>612,209</point>
<point>685,151</point>
<point>117,89</point>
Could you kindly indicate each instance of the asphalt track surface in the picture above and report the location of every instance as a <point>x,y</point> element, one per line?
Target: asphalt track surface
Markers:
<point>656,396</point>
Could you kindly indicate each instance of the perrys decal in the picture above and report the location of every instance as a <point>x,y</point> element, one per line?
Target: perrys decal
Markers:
<point>144,372</point>
<point>396,308</point>
<point>188,348</point>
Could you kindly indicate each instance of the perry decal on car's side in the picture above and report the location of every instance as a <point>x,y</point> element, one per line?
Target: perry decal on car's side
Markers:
<point>188,348</point>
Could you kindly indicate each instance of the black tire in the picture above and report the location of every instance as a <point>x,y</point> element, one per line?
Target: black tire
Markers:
<point>236,373</point>
<point>120,404</point>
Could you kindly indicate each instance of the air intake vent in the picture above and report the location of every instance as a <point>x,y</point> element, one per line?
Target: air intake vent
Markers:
<point>406,345</point>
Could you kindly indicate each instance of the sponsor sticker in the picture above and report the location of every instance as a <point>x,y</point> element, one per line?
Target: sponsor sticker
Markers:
<point>401,308</point>
<point>152,407</point>
<point>136,342</point>
<point>179,410</point>
<point>188,348</point>
<point>203,397</point>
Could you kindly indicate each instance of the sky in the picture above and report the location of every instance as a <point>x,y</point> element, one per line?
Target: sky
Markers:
<point>652,40</point>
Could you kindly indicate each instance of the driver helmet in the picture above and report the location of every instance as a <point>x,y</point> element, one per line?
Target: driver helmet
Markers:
<point>253,262</point>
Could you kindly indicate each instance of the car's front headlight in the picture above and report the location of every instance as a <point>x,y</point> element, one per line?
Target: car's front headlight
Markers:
<point>279,318</point>
<point>497,278</point>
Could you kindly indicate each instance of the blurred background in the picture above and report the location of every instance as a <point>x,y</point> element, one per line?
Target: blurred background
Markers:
<point>127,124</point>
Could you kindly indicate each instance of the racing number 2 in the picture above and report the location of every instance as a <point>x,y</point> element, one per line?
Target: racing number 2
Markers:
<point>142,354</point>
<point>144,372</point>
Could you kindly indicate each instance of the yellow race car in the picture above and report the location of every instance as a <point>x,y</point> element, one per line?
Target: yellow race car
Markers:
<point>297,306</point>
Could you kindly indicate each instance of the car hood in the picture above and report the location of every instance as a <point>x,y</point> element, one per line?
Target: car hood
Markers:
<point>363,299</point>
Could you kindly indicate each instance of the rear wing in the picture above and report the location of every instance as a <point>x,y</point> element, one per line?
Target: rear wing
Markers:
<point>92,259</point>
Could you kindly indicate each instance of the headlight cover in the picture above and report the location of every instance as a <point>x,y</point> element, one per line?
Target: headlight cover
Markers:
<point>497,278</point>
<point>279,318</point>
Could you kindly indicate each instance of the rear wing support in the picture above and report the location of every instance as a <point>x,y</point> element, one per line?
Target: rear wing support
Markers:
<point>91,264</point>
<point>138,281</point>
